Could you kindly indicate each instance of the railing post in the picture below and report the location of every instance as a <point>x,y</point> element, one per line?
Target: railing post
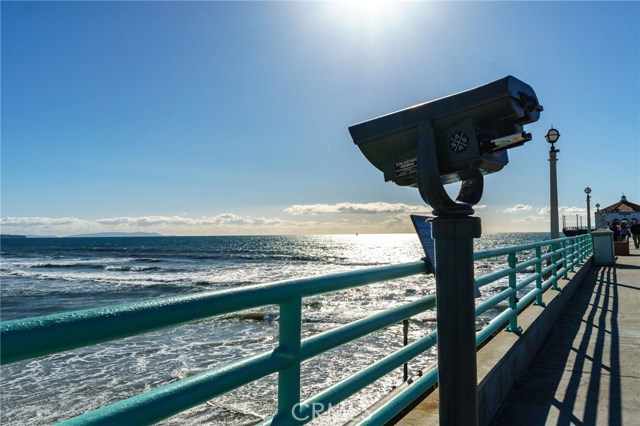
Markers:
<point>564,260</point>
<point>588,246</point>
<point>405,341</point>
<point>554,263</point>
<point>456,319</point>
<point>575,253</point>
<point>290,327</point>
<point>539,300</point>
<point>513,299</point>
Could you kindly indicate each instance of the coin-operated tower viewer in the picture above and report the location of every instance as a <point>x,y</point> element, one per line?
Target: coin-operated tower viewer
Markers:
<point>458,138</point>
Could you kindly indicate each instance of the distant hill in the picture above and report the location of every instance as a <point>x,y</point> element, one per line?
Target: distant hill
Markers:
<point>115,234</point>
<point>12,236</point>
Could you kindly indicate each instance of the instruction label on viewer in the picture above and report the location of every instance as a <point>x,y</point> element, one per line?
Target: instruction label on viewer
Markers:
<point>406,167</point>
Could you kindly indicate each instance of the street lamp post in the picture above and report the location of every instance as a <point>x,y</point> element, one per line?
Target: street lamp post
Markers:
<point>587,191</point>
<point>552,137</point>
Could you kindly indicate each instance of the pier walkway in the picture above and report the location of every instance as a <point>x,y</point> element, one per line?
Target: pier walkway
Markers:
<point>588,371</point>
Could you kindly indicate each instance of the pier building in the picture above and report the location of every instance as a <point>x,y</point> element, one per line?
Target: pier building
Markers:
<point>622,211</point>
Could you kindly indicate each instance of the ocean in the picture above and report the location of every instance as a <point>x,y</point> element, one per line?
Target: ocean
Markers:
<point>41,276</point>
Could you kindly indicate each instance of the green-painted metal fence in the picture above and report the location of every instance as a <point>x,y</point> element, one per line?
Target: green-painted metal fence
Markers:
<point>28,338</point>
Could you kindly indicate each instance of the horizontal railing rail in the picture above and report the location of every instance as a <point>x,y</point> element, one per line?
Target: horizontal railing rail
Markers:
<point>32,337</point>
<point>577,250</point>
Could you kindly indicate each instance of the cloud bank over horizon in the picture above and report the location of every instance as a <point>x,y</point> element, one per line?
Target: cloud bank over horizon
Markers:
<point>365,208</point>
<point>343,217</point>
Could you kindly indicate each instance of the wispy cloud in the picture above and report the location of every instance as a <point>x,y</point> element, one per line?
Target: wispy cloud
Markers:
<point>355,208</point>
<point>532,219</point>
<point>543,214</point>
<point>518,208</point>
<point>181,221</point>
<point>41,221</point>
<point>225,223</point>
<point>564,210</point>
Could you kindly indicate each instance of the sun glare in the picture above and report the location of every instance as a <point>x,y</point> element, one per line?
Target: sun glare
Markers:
<point>370,8</point>
<point>370,15</point>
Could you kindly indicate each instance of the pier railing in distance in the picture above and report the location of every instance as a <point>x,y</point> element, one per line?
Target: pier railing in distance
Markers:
<point>541,264</point>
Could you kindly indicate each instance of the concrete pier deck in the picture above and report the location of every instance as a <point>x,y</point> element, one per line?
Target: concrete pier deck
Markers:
<point>588,371</point>
<point>577,361</point>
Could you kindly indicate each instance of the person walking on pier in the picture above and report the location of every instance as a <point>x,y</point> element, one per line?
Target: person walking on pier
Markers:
<point>624,232</point>
<point>635,232</point>
<point>616,231</point>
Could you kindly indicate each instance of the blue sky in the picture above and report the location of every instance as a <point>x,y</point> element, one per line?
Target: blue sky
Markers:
<point>206,118</point>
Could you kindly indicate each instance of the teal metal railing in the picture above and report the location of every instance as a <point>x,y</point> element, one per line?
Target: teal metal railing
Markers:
<point>32,337</point>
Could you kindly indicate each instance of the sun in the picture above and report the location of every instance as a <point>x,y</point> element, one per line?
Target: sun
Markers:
<point>369,8</point>
<point>366,14</point>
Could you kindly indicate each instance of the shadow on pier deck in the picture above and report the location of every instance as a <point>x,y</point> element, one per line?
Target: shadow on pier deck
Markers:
<point>587,371</point>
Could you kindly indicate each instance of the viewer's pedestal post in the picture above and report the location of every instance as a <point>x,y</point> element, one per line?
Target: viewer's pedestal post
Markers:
<point>455,298</point>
